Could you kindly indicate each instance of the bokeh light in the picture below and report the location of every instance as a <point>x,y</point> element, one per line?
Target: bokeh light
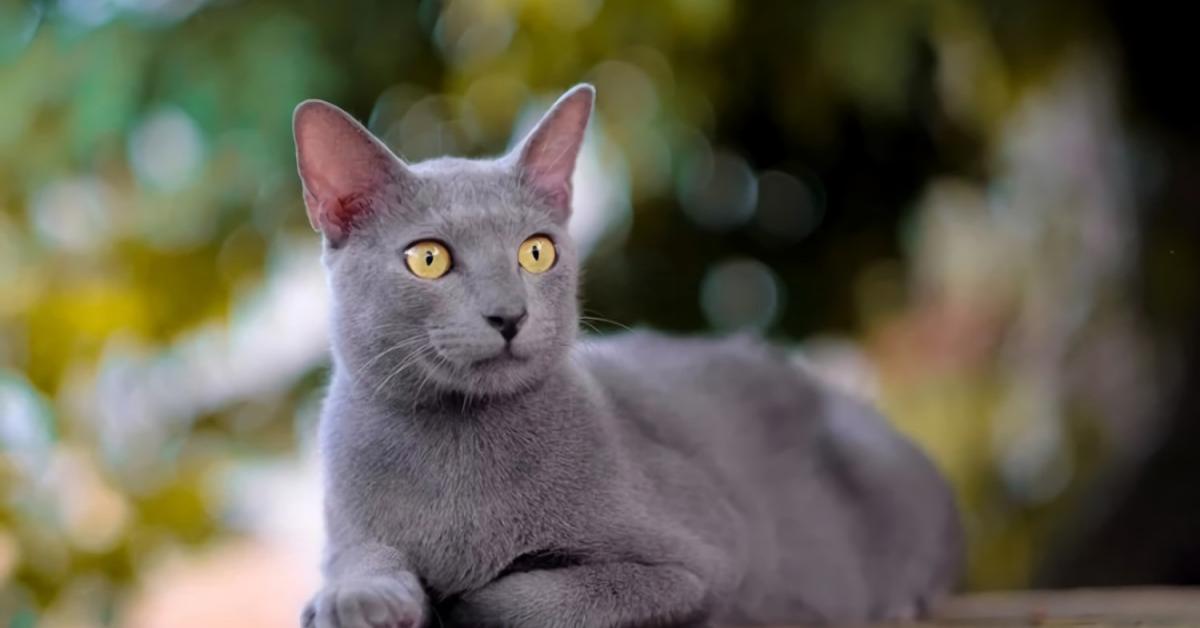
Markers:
<point>717,189</point>
<point>74,214</point>
<point>741,294</point>
<point>19,21</point>
<point>788,208</point>
<point>166,150</point>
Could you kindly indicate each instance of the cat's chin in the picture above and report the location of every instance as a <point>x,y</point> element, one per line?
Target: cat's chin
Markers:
<point>504,359</point>
<point>502,374</point>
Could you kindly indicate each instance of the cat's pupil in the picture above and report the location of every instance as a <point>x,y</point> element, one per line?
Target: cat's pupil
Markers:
<point>429,258</point>
<point>536,251</point>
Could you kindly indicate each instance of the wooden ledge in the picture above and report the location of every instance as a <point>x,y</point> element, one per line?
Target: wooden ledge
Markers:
<point>1073,607</point>
<point>1151,607</point>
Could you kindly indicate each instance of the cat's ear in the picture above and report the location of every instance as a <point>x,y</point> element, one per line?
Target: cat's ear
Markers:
<point>545,159</point>
<point>342,165</point>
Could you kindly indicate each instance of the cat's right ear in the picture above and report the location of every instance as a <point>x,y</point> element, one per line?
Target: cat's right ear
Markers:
<point>546,157</point>
<point>344,168</point>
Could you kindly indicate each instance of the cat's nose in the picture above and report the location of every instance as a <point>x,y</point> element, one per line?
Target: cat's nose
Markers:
<point>507,324</point>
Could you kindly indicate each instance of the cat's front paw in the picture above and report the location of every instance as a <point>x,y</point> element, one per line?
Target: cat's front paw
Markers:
<point>379,602</point>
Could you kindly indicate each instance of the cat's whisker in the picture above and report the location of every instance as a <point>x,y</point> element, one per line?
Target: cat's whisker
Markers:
<point>392,326</point>
<point>410,360</point>
<point>404,342</point>
<point>400,345</point>
<point>606,321</point>
<point>425,378</point>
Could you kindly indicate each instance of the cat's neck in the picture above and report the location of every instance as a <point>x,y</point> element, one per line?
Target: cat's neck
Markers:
<point>564,396</point>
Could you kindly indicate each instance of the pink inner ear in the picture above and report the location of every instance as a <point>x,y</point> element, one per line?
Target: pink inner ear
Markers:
<point>341,165</point>
<point>548,155</point>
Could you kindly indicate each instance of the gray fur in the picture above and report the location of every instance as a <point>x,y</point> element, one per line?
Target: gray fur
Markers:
<point>637,480</point>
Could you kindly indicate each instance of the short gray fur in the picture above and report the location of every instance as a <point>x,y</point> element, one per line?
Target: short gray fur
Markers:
<point>634,480</point>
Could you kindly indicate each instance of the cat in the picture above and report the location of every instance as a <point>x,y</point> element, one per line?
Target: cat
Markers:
<point>485,467</point>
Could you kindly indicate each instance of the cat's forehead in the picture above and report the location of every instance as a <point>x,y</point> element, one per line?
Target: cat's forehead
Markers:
<point>463,185</point>
<point>466,198</point>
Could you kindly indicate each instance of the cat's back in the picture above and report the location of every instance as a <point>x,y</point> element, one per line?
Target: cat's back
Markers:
<point>821,483</point>
<point>723,402</point>
<point>741,369</point>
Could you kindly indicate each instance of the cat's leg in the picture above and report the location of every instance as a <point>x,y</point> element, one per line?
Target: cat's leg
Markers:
<point>585,596</point>
<point>366,586</point>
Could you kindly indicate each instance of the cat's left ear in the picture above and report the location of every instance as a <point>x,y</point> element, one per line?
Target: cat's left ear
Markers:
<point>546,157</point>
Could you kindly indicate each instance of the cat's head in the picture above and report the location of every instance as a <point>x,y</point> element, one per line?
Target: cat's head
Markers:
<point>451,274</point>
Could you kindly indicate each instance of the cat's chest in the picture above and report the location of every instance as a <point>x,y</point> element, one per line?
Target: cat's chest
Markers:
<point>458,545</point>
<point>465,519</point>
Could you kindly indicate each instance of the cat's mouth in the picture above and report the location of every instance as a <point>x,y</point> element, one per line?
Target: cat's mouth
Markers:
<point>503,357</point>
<point>505,370</point>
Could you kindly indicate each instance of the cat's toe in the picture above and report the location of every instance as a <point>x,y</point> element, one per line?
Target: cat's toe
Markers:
<point>367,603</point>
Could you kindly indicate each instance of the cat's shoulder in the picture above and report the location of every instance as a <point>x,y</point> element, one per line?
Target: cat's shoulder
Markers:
<point>695,358</point>
<point>647,342</point>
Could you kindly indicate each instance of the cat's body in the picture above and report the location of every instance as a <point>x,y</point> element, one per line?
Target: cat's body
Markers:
<point>487,469</point>
<point>720,457</point>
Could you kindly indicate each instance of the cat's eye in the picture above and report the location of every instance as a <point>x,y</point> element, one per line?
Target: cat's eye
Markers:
<point>537,254</point>
<point>427,259</point>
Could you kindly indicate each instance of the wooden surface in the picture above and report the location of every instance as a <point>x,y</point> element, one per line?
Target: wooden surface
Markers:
<point>1079,607</point>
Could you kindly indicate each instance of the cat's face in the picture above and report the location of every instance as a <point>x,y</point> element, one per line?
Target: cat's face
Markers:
<point>453,274</point>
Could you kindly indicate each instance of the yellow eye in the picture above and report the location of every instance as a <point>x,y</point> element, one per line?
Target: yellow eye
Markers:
<point>427,259</point>
<point>537,254</point>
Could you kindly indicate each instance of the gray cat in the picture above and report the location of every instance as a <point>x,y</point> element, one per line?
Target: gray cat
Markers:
<point>484,467</point>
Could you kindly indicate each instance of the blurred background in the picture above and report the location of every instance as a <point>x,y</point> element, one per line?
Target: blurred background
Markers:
<point>980,214</point>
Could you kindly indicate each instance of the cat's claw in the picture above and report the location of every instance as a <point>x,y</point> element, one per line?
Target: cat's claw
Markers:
<point>366,603</point>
